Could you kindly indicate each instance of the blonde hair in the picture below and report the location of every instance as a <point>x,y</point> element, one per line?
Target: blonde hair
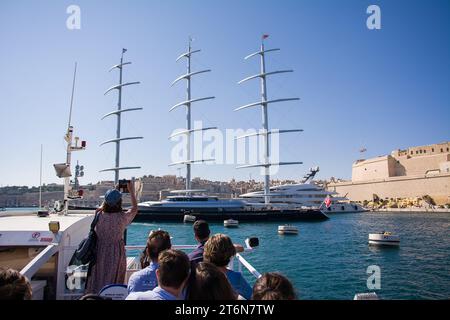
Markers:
<point>218,250</point>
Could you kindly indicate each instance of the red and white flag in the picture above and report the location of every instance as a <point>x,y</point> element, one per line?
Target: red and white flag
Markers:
<point>327,201</point>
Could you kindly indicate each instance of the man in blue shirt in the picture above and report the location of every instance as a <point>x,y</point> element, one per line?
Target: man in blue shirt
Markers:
<point>201,233</point>
<point>219,250</point>
<point>172,275</point>
<point>145,279</point>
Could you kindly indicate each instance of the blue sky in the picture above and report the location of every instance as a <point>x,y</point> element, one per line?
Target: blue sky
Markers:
<point>381,89</point>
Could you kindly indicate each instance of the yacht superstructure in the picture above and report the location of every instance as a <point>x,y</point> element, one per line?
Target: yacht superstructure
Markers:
<point>305,194</point>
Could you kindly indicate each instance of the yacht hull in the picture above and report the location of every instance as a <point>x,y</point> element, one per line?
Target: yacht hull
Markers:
<point>215,214</point>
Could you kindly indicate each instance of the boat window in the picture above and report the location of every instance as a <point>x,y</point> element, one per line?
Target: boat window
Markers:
<point>198,199</point>
<point>342,208</point>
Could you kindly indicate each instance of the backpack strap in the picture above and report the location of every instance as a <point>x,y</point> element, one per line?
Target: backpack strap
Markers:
<point>94,222</point>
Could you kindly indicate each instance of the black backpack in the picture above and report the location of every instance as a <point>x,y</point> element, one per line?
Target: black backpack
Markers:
<point>86,252</point>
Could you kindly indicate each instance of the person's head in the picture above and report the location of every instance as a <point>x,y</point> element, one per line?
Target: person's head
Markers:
<point>157,242</point>
<point>173,271</point>
<point>273,286</point>
<point>113,201</point>
<point>201,230</point>
<point>219,250</point>
<point>13,285</point>
<point>210,284</point>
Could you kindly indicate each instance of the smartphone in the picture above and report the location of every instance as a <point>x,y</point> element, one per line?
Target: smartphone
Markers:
<point>123,186</point>
<point>252,242</point>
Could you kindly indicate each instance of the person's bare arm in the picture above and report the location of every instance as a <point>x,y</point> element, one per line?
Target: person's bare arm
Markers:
<point>131,213</point>
<point>238,248</point>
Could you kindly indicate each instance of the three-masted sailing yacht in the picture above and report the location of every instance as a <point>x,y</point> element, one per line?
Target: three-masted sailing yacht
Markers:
<point>189,201</point>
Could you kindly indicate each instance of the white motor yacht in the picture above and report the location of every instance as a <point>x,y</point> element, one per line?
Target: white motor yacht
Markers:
<point>384,239</point>
<point>305,194</point>
<point>231,223</point>
<point>189,218</point>
<point>287,229</point>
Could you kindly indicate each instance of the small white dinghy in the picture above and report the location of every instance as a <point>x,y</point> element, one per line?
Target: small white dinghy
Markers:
<point>287,229</point>
<point>231,223</point>
<point>384,239</point>
<point>366,296</point>
<point>189,218</point>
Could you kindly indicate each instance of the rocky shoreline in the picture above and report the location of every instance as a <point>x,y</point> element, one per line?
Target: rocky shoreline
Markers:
<point>412,210</point>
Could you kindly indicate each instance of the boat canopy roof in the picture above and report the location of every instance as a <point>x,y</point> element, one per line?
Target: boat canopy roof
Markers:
<point>27,229</point>
<point>31,222</point>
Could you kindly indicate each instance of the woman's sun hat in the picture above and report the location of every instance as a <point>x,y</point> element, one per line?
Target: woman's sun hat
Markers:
<point>112,197</point>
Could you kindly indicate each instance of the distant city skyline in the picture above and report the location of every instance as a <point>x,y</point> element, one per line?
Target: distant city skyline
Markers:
<point>378,90</point>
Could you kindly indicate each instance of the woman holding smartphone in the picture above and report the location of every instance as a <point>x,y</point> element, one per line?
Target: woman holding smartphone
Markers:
<point>110,263</point>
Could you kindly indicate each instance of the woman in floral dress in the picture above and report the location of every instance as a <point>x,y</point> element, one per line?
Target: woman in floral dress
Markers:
<point>110,263</point>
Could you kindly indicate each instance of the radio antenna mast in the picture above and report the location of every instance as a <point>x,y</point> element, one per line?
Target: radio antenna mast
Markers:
<point>63,169</point>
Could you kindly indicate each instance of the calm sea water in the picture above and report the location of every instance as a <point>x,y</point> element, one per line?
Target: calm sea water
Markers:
<point>328,260</point>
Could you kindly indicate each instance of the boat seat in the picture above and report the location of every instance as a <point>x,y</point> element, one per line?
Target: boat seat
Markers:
<point>114,292</point>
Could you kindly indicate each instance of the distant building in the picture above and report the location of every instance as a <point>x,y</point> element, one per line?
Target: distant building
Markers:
<point>414,172</point>
<point>154,188</point>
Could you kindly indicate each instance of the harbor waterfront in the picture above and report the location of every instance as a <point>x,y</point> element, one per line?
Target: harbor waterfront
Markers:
<point>302,156</point>
<point>329,259</point>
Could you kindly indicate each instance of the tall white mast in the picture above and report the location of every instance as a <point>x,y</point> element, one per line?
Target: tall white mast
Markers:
<point>188,103</point>
<point>118,113</point>
<point>264,103</point>
<point>40,182</point>
<point>63,169</point>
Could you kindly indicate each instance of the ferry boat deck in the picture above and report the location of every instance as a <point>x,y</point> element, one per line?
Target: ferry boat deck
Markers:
<point>42,249</point>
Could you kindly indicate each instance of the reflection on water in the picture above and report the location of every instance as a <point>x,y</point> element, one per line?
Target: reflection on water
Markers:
<point>328,260</point>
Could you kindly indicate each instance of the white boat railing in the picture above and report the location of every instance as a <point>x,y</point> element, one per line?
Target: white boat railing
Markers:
<point>247,265</point>
<point>132,264</point>
<point>239,258</point>
<point>42,258</point>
